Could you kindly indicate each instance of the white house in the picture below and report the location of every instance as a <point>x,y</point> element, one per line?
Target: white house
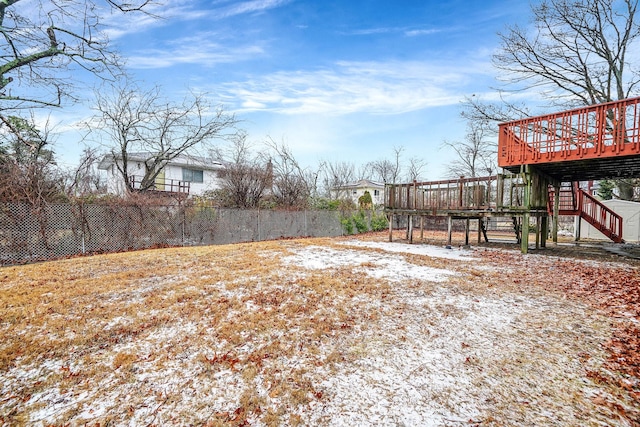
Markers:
<point>184,174</point>
<point>357,189</point>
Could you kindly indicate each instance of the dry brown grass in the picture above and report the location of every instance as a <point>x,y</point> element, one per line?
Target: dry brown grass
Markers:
<point>240,334</point>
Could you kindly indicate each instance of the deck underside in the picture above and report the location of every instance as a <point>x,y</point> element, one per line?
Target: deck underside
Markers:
<point>589,169</point>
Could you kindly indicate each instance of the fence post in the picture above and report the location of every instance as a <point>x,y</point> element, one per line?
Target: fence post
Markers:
<point>258,225</point>
<point>82,227</point>
<point>184,221</point>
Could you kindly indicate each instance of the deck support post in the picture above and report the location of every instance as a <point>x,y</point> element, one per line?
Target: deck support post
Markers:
<point>556,212</point>
<point>524,234</point>
<point>544,231</point>
<point>467,223</point>
<point>391,219</point>
<point>500,192</point>
<point>524,241</point>
<point>410,228</point>
<point>479,230</point>
<point>421,228</point>
<point>449,229</point>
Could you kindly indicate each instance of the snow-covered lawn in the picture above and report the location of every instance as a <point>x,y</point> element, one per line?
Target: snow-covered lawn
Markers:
<point>335,332</point>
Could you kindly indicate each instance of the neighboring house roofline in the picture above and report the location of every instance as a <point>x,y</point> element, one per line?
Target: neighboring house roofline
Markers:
<point>184,160</point>
<point>363,183</point>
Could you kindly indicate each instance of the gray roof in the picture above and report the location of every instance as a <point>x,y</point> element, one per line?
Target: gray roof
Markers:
<point>181,160</point>
<point>363,183</point>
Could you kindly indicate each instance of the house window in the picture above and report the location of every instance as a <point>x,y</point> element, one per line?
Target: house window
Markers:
<point>376,192</point>
<point>355,191</point>
<point>192,175</point>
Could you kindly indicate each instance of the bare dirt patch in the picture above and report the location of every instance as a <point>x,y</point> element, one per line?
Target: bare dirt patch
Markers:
<point>320,332</point>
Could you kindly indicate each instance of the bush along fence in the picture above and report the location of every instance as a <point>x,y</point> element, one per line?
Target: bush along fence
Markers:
<point>362,221</point>
<point>56,231</point>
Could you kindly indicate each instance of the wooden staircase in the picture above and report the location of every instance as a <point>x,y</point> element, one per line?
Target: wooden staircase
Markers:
<point>577,202</point>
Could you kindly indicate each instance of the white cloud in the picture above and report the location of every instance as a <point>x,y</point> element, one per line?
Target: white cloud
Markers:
<point>119,25</point>
<point>389,30</point>
<point>252,6</point>
<point>415,33</point>
<point>352,87</point>
<point>202,49</point>
<point>368,31</point>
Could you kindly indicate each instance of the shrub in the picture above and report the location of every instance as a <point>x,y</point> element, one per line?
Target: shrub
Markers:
<point>360,222</point>
<point>347,225</point>
<point>379,222</point>
<point>365,201</point>
<point>325,204</point>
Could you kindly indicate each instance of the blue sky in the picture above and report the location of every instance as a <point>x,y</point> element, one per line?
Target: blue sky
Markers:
<point>334,80</point>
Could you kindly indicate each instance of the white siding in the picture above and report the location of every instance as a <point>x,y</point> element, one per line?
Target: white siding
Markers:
<point>115,184</point>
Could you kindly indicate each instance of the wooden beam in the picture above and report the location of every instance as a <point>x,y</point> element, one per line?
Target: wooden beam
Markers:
<point>410,229</point>
<point>526,174</point>
<point>556,212</point>
<point>466,231</point>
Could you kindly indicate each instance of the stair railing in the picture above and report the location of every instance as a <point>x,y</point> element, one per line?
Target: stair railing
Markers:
<point>601,217</point>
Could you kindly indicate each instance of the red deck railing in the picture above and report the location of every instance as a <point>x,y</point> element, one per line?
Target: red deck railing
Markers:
<point>603,130</point>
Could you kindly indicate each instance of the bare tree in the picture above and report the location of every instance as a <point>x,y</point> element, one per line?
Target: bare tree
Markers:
<point>245,177</point>
<point>292,186</point>
<point>415,169</point>
<point>43,40</point>
<point>577,54</point>
<point>475,109</point>
<point>476,155</point>
<point>336,175</point>
<point>85,179</point>
<point>387,170</point>
<point>131,121</point>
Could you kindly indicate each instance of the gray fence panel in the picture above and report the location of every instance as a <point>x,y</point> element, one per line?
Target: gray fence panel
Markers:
<point>282,224</point>
<point>28,234</point>
<point>323,224</point>
<point>201,226</point>
<point>236,225</point>
<point>62,230</point>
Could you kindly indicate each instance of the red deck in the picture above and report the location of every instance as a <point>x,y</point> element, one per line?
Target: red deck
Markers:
<point>600,141</point>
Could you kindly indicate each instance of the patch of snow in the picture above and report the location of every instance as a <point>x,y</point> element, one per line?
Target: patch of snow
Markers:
<point>397,270</point>
<point>319,258</point>
<point>416,249</point>
<point>375,265</point>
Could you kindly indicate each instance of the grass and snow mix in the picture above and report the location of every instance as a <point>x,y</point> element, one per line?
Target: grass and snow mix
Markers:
<point>304,332</point>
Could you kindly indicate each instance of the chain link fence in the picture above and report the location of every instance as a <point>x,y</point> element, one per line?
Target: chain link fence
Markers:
<point>29,234</point>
